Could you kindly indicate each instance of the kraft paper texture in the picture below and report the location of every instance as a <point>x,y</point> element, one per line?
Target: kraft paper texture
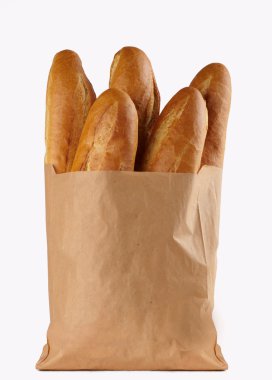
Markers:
<point>131,267</point>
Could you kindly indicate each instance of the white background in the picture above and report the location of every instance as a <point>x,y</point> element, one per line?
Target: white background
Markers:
<point>180,37</point>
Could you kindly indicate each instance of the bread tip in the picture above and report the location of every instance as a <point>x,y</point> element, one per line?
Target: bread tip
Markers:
<point>130,48</point>
<point>216,67</point>
<point>192,91</point>
<point>66,54</point>
<point>116,93</point>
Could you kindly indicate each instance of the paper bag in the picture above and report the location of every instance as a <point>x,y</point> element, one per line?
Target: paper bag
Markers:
<point>131,265</point>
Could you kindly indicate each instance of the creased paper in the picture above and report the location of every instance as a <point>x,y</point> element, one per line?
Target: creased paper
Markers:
<point>131,268</point>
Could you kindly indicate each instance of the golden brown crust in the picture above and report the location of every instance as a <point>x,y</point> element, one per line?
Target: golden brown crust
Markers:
<point>68,100</point>
<point>178,136</point>
<point>110,135</point>
<point>131,71</point>
<point>214,82</point>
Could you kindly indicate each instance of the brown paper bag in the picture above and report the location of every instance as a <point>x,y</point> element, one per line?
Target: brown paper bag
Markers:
<point>131,264</point>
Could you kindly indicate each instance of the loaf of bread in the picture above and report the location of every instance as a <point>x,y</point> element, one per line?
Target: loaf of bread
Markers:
<point>110,134</point>
<point>214,83</point>
<point>131,71</point>
<point>68,100</point>
<point>178,136</point>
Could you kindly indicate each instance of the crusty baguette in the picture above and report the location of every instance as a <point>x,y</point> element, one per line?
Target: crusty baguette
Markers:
<point>68,100</point>
<point>110,134</point>
<point>178,136</point>
<point>131,71</point>
<point>214,83</point>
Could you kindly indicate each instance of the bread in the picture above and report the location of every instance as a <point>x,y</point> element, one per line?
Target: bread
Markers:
<point>110,135</point>
<point>68,100</point>
<point>214,83</point>
<point>178,137</point>
<point>131,71</point>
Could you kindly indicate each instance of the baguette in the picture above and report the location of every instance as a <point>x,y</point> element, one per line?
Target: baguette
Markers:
<point>131,71</point>
<point>110,135</point>
<point>68,100</point>
<point>178,137</point>
<point>214,83</point>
